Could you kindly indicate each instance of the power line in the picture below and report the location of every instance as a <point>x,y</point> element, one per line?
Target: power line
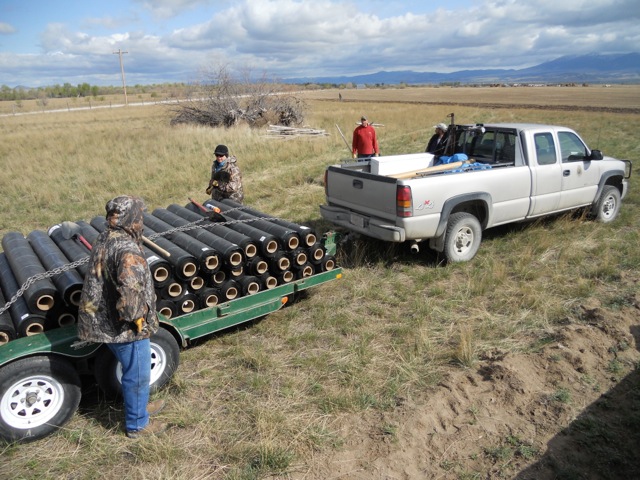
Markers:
<point>124,83</point>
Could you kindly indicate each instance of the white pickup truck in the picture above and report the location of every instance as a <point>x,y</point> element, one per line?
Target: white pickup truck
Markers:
<point>508,172</point>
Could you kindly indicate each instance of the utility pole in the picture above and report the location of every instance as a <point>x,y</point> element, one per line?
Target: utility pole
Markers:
<point>124,83</point>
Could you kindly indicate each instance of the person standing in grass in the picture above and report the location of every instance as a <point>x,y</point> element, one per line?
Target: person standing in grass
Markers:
<point>226,179</point>
<point>365,142</point>
<point>117,308</point>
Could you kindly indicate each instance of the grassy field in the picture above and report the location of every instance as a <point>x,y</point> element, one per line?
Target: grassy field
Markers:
<point>260,401</point>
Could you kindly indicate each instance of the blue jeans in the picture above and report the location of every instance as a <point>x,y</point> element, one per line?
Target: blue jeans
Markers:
<point>135,358</point>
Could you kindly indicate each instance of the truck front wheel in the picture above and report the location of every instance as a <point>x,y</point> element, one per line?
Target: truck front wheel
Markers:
<point>462,238</point>
<point>39,395</point>
<point>165,357</point>
<point>607,207</point>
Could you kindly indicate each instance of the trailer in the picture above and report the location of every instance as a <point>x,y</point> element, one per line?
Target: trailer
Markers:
<point>40,387</point>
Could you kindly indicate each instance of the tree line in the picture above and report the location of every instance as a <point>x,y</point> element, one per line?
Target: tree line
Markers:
<point>68,90</point>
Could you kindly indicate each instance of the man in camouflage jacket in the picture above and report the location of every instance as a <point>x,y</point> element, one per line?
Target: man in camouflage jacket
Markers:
<point>117,306</point>
<point>226,179</point>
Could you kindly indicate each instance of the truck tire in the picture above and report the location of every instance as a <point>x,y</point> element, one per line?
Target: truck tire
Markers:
<point>606,209</point>
<point>462,238</point>
<point>39,395</point>
<point>165,357</point>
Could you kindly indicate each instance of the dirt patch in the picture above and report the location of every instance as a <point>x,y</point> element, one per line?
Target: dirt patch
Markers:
<point>569,410</point>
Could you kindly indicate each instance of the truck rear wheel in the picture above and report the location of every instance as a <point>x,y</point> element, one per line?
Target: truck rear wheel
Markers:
<point>165,357</point>
<point>462,238</point>
<point>607,207</point>
<point>39,395</point>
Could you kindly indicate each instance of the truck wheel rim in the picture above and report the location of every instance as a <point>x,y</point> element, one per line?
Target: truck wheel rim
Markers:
<point>31,402</point>
<point>609,207</point>
<point>158,364</point>
<point>464,240</point>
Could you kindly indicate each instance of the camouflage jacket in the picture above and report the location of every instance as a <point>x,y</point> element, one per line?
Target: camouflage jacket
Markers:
<point>118,287</point>
<point>229,181</point>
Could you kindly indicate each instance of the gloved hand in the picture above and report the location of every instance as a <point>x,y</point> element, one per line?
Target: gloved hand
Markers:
<point>138,322</point>
<point>212,185</point>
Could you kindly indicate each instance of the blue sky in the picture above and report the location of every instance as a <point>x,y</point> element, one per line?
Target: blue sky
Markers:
<point>47,42</point>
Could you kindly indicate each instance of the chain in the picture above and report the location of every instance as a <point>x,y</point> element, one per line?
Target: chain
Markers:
<point>200,223</point>
<point>41,276</point>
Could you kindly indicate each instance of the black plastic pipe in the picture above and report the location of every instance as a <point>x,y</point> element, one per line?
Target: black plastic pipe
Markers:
<point>245,242</point>
<point>71,248</point>
<point>7,328</point>
<point>24,262</point>
<point>69,283</point>
<point>307,234</point>
<point>289,238</point>
<point>231,252</point>
<point>184,264</point>
<point>267,243</point>
<point>25,322</point>
<point>208,258</point>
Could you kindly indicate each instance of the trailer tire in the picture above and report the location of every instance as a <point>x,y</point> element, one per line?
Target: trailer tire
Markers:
<point>462,238</point>
<point>165,357</point>
<point>606,209</point>
<point>39,395</point>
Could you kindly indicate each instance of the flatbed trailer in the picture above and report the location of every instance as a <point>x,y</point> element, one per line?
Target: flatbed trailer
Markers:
<point>40,387</point>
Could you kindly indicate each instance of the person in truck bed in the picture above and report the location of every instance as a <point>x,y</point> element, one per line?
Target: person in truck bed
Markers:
<point>438,141</point>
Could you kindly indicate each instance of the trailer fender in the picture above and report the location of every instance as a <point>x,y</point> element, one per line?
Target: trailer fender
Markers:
<point>61,341</point>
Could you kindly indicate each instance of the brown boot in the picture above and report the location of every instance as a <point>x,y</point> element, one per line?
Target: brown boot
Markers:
<point>155,407</point>
<point>152,428</point>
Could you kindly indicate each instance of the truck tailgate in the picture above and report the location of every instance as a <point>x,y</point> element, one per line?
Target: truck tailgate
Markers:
<point>362,192</point>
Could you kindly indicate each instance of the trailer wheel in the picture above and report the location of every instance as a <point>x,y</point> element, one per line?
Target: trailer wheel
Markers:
<point>39,395</point>
<point>165,357</point>
<point>462,238</point>
<point>606,209</point>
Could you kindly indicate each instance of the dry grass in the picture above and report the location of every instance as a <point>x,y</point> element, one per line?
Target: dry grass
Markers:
<point>257,401</point>
<point>594,96</point>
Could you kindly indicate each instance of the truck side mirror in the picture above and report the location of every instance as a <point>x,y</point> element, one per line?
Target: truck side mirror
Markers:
<point>596,155</point>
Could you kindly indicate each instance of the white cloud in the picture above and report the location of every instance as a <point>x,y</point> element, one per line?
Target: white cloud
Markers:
<point>304,39</point>
<point>6,29</point>
<point>172,8</point>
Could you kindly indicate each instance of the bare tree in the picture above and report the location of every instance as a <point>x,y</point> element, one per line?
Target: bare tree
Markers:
<point>225,99</point>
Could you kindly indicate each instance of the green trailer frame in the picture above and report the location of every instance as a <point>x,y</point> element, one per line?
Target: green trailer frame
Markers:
<point>185,328</point>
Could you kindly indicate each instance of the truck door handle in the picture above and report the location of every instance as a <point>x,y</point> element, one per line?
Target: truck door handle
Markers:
<point>358,184</point>
<point>566,173</point>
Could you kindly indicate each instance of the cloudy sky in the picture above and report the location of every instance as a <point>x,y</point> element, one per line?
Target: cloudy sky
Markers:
<point>47,42</point>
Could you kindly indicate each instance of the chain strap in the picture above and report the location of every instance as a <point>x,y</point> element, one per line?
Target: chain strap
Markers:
<point>200,223</point>
<point>41,276</point>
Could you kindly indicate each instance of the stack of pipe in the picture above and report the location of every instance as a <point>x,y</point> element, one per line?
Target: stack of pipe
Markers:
<point>197,260</point>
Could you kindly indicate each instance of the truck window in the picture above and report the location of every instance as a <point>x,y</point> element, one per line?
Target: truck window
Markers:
<point>571,147</point>
<point>505,147</point>
<point>545,148</point>
<point>480,146</point>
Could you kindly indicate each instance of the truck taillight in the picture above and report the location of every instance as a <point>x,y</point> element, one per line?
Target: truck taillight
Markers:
<point>404,201</point>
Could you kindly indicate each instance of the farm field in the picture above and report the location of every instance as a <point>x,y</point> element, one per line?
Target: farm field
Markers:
<point>619,98</point>
<point>524,363</point>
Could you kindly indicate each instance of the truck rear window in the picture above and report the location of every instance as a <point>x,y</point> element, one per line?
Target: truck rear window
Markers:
<point>490,146</point>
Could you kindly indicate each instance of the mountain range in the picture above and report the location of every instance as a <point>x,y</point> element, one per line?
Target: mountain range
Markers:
<point>592,68</point>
